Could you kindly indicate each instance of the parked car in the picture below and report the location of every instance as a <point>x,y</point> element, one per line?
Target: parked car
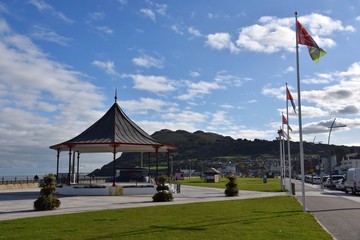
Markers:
<point>339,185</point>
<point>352,181</point>
<point>331,183</point>
<point>316,180</point>
<point>323,179</point>
<point>327,182</point>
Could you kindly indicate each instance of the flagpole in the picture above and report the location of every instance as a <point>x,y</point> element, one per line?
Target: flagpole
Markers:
<point>300,120</point>
<point>283,149</point>
<point>288,133</point>
<point>284,162</point>
<point>281,162</point>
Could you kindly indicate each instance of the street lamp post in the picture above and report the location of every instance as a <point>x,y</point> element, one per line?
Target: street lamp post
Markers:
<point>172,166</point>
<point>331,127</point>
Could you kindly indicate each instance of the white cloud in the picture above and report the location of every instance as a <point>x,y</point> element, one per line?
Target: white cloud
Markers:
<point>146,104</point>
<point>194,74</point>
<point>323,25</point>
<point>92,20</point>
<point>219,119</point>
<point>108,67</point>
<point>221,81</point>
<point>148,13</point>
<point>221,41</point>
<point>226,106</point>
<point>186,117</point>
<point>161,9</point>
<point>193,31</point>
<point>32,85</point>
<point>96,16</point>
<point>289,69</point>
<point>274,34</point>
<point>223,78</point>
<point>122,2</point>
<point>104,29</point>
<point>253,134</point>
<point>44,7</point>
<point>151,83</point>
<point>45,34</point>
<point>197,90</point>
<point>338,99</point>
<point>148,61</point>
<point>177,29</point>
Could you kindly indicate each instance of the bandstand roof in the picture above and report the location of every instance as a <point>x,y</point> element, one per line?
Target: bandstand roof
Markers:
<point>114,131</point>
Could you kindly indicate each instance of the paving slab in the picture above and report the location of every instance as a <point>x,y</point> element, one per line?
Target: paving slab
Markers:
<point>19,203</point>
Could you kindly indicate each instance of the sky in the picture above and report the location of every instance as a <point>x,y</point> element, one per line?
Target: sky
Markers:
<point>215,66</point>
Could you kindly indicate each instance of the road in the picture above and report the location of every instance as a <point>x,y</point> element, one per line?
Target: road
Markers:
<point>337,212</point>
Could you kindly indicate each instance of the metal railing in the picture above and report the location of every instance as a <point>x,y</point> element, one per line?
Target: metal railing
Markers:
<point>17,180</point>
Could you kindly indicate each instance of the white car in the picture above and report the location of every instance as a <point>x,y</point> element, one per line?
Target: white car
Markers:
<point>339,184</point>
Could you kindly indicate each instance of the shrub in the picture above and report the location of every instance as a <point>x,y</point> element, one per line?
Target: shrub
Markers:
<point>47,199</point>
<point>163,194</point>
<point>231,187</point>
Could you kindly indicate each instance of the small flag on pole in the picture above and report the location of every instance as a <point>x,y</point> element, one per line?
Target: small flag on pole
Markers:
<point>289,97</point>
<point>282,133</point>
<point>284,121</point>
<point>304,38</point>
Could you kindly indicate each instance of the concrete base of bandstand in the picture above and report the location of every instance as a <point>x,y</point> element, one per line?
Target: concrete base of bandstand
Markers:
<point>119,189</point>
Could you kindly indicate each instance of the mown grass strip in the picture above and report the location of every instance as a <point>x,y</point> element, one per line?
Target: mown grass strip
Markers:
<point>264,218</point>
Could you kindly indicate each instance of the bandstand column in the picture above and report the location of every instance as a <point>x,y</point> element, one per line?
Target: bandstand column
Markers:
<point>57,165</point>
<point>69,173</point>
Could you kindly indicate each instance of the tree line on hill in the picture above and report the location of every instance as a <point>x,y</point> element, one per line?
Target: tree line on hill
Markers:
<point>205,146</point>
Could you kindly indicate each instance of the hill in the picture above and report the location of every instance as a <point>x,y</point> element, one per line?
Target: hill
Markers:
<point>204,146</point>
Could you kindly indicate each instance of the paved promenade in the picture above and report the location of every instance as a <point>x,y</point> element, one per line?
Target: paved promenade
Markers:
<point>19,203</point>
<point>336,211</point>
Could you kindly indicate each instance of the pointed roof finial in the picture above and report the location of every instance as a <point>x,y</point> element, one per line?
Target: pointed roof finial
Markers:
<point>116,95</point>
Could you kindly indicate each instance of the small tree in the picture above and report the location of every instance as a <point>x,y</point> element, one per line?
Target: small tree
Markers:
<point>47,199</point>
<point>163,194</point>
<point>231,187</point>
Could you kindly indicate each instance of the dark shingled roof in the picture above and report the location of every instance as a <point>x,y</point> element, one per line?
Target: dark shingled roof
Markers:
<point>212,171</point>
<point>115,128</point>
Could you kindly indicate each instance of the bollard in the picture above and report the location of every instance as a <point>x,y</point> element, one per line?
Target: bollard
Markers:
<point>178,188</point>
<point>293,188</point>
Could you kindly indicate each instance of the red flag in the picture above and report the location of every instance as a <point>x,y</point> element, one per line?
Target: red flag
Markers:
<point>304,38</point>
<point>289,97</point>
<point>284,120</point>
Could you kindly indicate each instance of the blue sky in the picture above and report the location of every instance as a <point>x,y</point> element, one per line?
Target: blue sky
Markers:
<point>215,66</point>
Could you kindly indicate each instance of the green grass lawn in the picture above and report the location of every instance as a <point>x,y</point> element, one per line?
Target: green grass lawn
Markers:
<point>263,218</point>
<point>253,184</point>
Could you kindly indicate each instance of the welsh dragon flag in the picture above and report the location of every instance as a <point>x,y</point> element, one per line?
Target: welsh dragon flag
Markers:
<point>304,38</point>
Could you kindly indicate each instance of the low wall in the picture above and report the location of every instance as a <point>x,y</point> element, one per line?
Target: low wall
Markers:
<point>139,191</point>
<point>18,186</point>
<point>82,190</point>
<point>86,190</point>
